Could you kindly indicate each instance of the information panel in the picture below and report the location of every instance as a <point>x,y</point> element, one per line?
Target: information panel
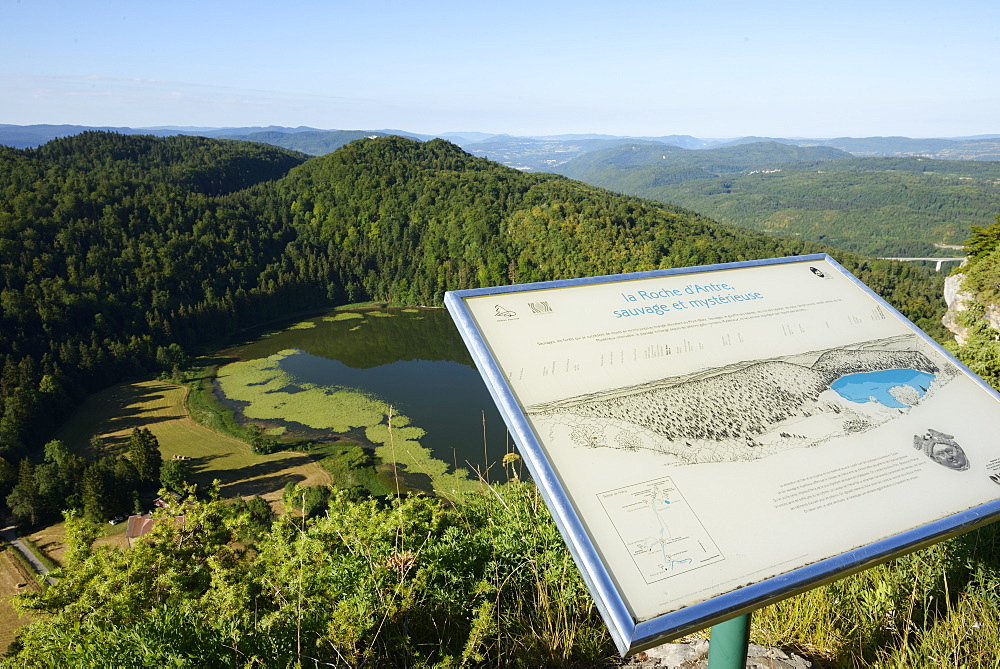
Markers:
<point>712,439</point>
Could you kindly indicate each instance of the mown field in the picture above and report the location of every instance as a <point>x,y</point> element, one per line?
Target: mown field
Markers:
<point>51,540</point>
<point>158,406</point>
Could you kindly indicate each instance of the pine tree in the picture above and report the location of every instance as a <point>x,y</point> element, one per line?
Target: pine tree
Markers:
<point>24,501</point>
<point>144,452</point>
<point>95,494</point>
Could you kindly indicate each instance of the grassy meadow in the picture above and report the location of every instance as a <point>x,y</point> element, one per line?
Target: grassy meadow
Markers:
<point>160,407</point>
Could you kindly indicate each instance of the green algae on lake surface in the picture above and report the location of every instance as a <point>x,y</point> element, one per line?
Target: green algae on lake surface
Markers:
<point>343,316</point>
<point>401,445</point>
<point>271,393</point>
<point>273,388</point>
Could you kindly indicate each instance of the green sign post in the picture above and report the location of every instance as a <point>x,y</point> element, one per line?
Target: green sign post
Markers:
<point>729,642</point>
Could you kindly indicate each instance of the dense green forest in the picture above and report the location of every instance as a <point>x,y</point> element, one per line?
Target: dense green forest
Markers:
<point>876,206</point>
<point>120,254</point>
<point>117,251</point>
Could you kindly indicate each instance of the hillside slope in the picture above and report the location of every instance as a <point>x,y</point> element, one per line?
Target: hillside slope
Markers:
<point>119,253</point>
<point>432,218</point>
<point>877,206</point>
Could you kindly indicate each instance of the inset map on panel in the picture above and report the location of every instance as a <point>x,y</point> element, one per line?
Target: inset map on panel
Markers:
<point>661,532</point>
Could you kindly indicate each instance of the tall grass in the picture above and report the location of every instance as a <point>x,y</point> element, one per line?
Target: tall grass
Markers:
<point>936,607</point>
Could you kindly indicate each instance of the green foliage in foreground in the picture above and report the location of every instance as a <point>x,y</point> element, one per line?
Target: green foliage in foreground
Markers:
<point>415,582</point>
<point>412,582</point>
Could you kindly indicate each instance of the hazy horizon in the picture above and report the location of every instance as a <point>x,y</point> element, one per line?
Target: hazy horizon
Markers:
<point>485,134</point>
<point>640,68</point>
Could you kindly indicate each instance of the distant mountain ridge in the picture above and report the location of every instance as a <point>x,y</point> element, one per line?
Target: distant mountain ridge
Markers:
<point>730,158</point>
<point>904,206</point>
<point>542,152</point>
<point>312,142</point>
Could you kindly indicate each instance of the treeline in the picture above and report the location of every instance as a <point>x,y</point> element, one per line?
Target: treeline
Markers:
<point>123,254</point>
<point>99,484</point>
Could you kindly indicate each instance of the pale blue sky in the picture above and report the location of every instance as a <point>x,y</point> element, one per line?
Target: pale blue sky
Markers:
<point>632,67</point>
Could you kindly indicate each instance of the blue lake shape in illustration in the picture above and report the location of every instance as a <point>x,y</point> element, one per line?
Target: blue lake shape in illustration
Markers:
<point>863,387</point>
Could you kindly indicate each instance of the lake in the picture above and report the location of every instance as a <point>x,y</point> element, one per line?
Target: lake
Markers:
<point>895,388</point>
<point>339,376</point>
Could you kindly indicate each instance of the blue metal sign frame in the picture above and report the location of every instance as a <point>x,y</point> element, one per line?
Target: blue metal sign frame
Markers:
<point>629,634</point>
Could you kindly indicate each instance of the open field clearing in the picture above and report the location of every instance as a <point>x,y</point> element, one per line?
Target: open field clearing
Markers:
<point>14,579</point>
<point>113,413</point>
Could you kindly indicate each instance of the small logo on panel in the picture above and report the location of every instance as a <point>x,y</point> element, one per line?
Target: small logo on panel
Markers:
<point>540,307</point>
<point>505,314</point>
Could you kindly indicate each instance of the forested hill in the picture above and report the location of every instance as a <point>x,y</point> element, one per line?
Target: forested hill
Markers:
<point>313,142</point>
<point>119,254</point>
<point>878,206</point>
<point>194,164</point>
<point>756,155</point>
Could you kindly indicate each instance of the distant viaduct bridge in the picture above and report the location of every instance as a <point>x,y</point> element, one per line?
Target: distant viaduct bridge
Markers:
<point>937,261</point>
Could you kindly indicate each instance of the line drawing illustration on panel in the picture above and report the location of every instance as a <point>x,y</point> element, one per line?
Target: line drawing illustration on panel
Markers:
<point>750,410</point>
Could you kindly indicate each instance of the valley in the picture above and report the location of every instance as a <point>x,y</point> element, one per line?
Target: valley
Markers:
<point>132,267</point>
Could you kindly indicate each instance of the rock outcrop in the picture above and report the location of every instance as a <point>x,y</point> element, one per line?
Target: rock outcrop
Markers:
<point>956,298</point>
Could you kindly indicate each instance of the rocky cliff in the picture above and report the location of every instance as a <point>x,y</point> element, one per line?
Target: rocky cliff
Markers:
<point>956,299</point>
